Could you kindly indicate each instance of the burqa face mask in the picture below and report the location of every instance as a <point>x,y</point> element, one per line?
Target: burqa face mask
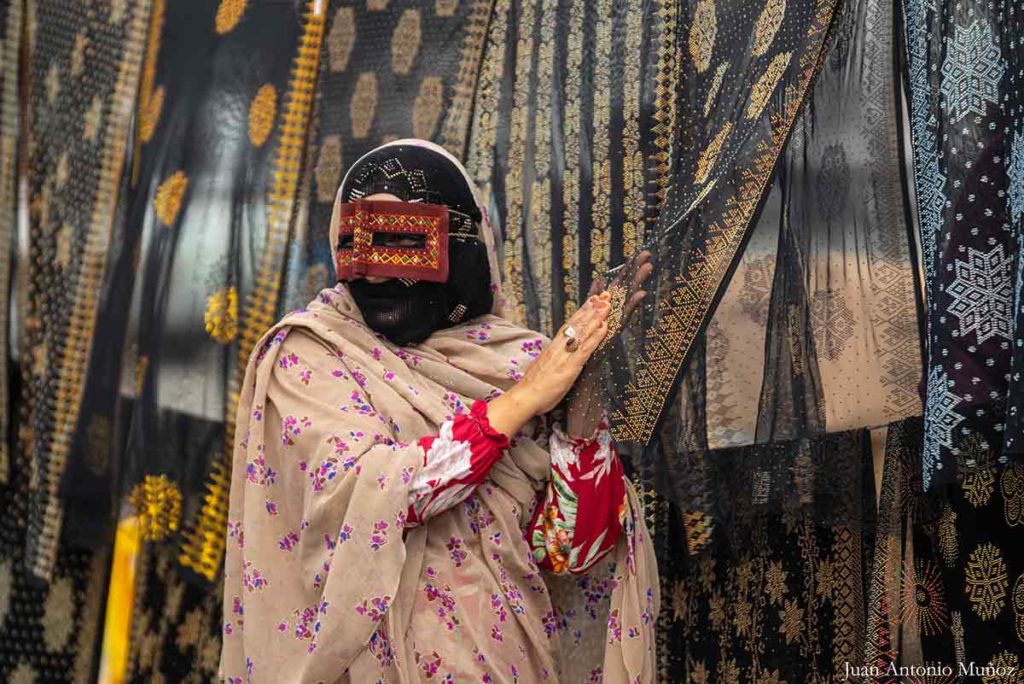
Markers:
<point>409,307</point>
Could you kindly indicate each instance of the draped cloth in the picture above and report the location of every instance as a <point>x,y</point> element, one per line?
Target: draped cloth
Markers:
<point>964,66</point>
<point>355,614</point>
<point>219,139</point>
<point>968,96</point>
<point>746,79</point>
<point>84,66</point>
<point>816,329</point>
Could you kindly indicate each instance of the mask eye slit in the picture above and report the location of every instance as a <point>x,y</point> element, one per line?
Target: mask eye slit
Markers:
<point>406,240</point>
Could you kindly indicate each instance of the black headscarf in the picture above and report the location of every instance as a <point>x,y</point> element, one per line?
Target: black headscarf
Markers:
<point>408,312</point>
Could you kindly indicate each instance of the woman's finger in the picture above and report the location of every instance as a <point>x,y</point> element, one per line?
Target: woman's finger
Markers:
<point>642,274</point>
<point>634,301</point>
<point>582,315</point>
<point>590,345</point>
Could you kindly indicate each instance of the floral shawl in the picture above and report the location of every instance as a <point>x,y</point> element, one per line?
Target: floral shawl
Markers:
<point>321,582</point>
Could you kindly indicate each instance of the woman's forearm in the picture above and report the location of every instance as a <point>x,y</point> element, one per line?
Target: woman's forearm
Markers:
<point>508,413</point>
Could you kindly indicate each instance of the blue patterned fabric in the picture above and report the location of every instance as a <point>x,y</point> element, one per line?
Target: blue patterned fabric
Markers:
<point>964,72</point>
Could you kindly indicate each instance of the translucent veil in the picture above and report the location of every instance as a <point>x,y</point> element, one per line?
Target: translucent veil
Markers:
<point>782,305</point>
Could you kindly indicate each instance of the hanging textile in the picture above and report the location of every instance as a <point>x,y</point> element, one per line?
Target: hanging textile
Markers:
<point>49,631</point>
<point>831,250</point>
<point>909,621</point>
<point>785,603</point>
<point>965,62</point>
<point>83,71</point>
<point>966,98</point>
<point>176,624</point>
<point>745,79</point>
<point>11,12</point>
<point>388,71</point>
<point>817,331</point>
<point>221,135</point>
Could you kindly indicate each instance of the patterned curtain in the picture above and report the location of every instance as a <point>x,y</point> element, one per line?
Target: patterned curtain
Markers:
<point>965,62</point>
<point>67,132</point>
<point>818,329</point>
<point>83,71</point>
<point>220,138</point>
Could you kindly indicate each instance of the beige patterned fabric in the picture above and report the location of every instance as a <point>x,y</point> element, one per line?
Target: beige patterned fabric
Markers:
<point>316,560</point>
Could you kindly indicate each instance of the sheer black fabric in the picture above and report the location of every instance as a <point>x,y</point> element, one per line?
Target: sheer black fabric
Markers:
<point>817,329</point>
<point>83,66</point>
<point>212,204</point>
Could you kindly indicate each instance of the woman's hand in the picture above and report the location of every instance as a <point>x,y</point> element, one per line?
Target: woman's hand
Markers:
<point>553,373</point>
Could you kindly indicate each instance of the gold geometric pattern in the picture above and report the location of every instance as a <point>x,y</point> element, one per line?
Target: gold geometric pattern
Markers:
<point>775,579</point>
<point>948,545</point>
<point>228,15</point>
<point>262,110</point>
<point>792,620</point>
<point>707,159</point>
<point>169,196</point>
<point>978,486</point>
<point>221,315</point>
<point>1012,485</point>
<point>78,54</point>
<point>405,42</point>
<point>446,8</point>
<point>327,173</point>
<point>768,25</point>
<point>149,114</point>
<point>341,38</point>
<point>1006,669</point>
<point>64,238</point>
<point>698,529</point>
<point>1018,606</point>
<point>157,502</point>
<point>57,612</point>
<point>765,85</point>
<point>92,120</point>
<point>716,83</point>
<point>702,34</point>
<point>923,599</point>
<point>986,581</point>
<point>151,101</point>
<point>426,110</point>
<point>364,104</point>
<point>377,5</point>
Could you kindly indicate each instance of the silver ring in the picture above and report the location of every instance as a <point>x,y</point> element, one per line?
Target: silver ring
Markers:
<point>572,343</point>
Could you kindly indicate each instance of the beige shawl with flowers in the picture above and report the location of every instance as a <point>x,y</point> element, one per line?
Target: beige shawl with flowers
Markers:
<point>322,585</point>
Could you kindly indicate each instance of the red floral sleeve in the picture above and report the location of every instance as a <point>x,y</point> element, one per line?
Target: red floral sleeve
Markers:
<point>455,461</point>
<point>581,515</point>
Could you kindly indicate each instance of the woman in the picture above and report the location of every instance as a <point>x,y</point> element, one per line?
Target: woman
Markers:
<point>403,506</point>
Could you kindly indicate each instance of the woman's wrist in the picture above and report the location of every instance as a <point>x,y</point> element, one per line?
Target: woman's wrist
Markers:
<point>509,412</point>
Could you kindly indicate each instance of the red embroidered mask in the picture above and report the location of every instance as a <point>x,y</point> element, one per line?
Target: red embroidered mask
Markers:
<point>393,240</point>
